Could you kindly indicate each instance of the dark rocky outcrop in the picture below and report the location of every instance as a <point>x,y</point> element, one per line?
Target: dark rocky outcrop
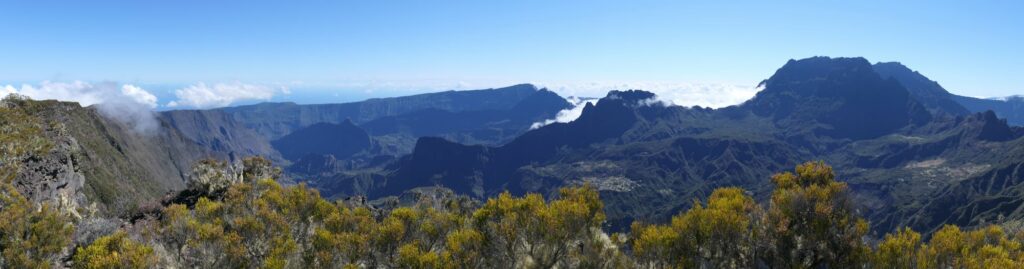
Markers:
<point>986,126</point>
<point>1010,108</point>
<point>114,166</point>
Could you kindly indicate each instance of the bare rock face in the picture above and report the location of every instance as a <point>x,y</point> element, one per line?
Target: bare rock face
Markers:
<point>93,164</point>
<point>54,177</point>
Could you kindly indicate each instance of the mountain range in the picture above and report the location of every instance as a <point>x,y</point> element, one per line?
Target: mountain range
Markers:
<point>914,154</point>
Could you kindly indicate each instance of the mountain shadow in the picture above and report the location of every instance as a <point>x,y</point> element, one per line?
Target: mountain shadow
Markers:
<point>338,140</point>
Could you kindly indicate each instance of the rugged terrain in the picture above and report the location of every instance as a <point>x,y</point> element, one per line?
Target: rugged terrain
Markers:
<point>915,154</point>
<point>650,160</point>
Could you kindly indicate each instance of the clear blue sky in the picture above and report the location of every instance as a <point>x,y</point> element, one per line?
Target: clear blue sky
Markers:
<point>969,47</point>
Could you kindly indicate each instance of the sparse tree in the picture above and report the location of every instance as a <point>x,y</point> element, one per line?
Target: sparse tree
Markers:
<point>811,221</point>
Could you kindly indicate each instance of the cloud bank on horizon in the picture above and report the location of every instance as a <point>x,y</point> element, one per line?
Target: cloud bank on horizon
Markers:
<point>713,95</point>
<point>202,95</point>
<point>134,105</point>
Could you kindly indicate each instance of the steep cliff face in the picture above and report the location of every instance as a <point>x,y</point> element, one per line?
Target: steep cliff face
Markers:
<point>54,177</point>
<point>36,159</point>
<point>99,163</point>
<point>219,132</point>
<point>276,120</point>
<point>489,116</point>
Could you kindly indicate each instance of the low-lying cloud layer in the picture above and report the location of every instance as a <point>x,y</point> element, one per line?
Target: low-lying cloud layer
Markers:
<point>714,95</point>
<point>679,94</point>
<point>569,114</point>
<point>202,95</point>
<point>126,103</point>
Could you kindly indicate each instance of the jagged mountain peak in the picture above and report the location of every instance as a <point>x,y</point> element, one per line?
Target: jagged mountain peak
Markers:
<point>845,94</point>
<point>621,108</point>
<point>987,126</point>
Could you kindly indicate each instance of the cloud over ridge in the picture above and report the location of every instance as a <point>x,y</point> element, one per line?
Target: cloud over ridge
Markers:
<point>714,95</point>
<point>126,103</point>
<point>568,114</point>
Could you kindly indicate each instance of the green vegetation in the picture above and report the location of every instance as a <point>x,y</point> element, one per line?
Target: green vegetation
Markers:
<point>115,251</point>
<point>31,236</point>
<point>809,222</point>
<point>241,217</point>
<point>260,224</point>
<point>20,134</point>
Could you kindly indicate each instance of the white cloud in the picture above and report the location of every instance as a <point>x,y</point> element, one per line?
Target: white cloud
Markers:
<point>1005,98</point>
<point>126,103</point>
<point>84,93</point>
<point>203,95</point>
<point>568,114</point>
<point>715,95</point>
<point>139,95</point>
<point>8,89</point>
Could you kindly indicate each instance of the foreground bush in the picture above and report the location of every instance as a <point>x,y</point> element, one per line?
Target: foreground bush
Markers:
<point>31,235</point>
<point>260,224</point>
<point>809,222</point>
<point>115,251</point>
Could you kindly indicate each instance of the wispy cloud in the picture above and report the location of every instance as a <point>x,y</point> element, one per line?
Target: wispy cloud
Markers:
<point>202,95</point>
<point>569,114</point>
<point>126,103</point>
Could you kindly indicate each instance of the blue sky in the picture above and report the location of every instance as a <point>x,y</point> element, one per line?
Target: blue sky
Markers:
<point>358,49</point>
